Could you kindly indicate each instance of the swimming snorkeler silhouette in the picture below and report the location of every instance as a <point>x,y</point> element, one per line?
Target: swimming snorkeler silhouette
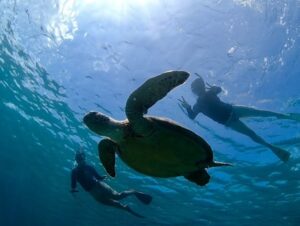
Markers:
<point>229,115</point>
<point>92,182</point>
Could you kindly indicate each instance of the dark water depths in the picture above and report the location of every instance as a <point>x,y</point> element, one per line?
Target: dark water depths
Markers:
<point>61,60</point>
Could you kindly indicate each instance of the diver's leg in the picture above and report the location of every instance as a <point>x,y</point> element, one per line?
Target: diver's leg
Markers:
<point>243,112</point>
<point>102,191</point>
<point>119,205</point>
<point>106,195</point>
<point>144,198</point>
<point>123,194</point>
<point>240,127</point>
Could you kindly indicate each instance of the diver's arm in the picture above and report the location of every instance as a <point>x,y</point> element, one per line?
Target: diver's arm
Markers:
<point>73,181</point>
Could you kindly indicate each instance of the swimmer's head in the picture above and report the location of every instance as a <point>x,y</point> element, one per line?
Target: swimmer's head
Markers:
<point>198,86</point>
<point>80,157</point>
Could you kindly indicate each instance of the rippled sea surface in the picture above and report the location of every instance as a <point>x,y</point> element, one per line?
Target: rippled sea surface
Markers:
<point>62,58</point>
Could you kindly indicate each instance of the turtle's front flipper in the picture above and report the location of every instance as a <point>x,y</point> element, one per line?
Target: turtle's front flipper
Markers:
<point>148,94</point>
<point>107,150</point>
<point>199,177</point>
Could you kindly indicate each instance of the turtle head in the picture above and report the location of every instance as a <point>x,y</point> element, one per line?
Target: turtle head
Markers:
<point>97,122</point>
<point>103,125</point>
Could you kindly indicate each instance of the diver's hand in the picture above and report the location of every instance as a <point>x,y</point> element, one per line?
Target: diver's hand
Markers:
<point>184,103</point>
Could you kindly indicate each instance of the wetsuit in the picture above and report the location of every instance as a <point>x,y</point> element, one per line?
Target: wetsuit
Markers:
<point>86,176</point>
<point>211,106</point>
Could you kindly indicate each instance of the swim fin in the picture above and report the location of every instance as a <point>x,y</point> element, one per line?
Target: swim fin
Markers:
<point>294,116</point>
<point>283,155</point>
<point>144,198</point>
<point>127,208</point>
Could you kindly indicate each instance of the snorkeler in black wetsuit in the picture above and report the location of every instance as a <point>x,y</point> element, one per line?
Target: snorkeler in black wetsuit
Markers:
<point>92,182</point>
<point>229,115</point>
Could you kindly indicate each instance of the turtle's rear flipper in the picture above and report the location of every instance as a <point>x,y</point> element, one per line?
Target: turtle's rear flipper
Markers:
<point>148,94</point>
<point>107,151</point>
<point>199,177</point>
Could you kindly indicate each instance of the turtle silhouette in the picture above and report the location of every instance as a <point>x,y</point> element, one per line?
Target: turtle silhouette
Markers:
<point>152,145</point>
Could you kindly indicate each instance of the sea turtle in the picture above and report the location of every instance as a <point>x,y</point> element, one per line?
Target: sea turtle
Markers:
<point>152,145</point>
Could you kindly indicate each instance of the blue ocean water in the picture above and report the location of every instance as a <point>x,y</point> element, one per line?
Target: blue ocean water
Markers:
<point>62,58</point>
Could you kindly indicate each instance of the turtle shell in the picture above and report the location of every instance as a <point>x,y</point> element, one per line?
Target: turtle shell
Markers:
<point>169,150</point>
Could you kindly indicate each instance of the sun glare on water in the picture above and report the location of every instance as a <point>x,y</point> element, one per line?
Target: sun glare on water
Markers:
<point>64,25</point>
<point>118,11</point>
<point>120,5</point>
<point>116,2</point>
